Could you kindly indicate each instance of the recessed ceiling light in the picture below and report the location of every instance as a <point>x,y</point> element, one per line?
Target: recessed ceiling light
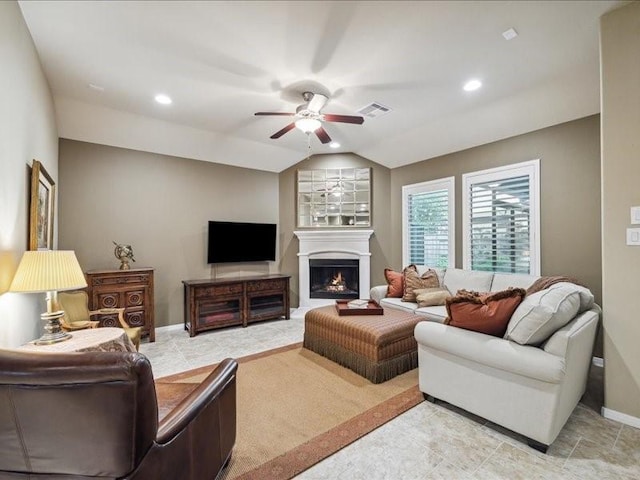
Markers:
<point>510,34</point>
<point>334,145</point>
<point>472,85</point>
<point>163,99</point>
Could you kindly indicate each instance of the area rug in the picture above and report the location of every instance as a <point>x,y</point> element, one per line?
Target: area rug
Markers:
<point>295,408</point>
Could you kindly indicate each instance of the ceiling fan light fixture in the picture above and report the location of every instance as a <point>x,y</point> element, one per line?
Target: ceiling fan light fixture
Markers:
<point>163,99</point>
<point>308,125</point>
<point>472,85</point>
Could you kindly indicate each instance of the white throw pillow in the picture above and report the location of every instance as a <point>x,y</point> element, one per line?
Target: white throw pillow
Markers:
<point>586,297</point>
<point>542,313</point>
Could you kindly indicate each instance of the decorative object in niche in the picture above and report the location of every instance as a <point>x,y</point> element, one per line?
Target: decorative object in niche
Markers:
<point>41,208</point>
<point>334,197</point>
<point>124,253</point>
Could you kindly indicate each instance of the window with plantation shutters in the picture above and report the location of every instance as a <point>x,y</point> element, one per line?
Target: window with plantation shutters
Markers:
<point>428,223</point>
<point>500,219</point>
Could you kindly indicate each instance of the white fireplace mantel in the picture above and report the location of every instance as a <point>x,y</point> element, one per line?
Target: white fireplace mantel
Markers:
<point>353,244</point>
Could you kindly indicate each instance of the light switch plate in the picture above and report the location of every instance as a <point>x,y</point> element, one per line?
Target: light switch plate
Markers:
<point>633,236</point>
<point>635,215</point>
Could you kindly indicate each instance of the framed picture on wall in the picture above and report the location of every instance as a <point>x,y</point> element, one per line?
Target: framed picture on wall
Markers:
<point>41,208</point>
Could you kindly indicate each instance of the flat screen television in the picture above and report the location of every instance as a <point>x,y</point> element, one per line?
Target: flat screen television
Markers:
<point>231,242</point>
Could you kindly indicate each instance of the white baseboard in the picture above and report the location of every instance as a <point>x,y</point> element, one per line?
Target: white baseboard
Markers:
<point>621,417</point>
<point>613,414</point>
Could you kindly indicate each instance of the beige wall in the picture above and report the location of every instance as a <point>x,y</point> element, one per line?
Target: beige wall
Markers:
<point>160,205</point>
<point>620,71</point>
<point>27,132</point>
<point>569,185</point>
<point>380,242</point>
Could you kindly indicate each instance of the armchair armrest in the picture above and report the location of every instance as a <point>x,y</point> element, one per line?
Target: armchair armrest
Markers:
<point>204,395</point>
<point>111,311</point>
<point>78,325</point>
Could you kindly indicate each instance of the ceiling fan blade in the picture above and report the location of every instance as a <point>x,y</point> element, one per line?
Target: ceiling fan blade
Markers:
<point>329,117</point>
<point>323,135</point>
<point>281,132</point>
<point>275,113</point>
<point>317,102</point>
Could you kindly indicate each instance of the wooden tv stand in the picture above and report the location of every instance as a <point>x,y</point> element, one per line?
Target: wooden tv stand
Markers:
<point>224,302</point>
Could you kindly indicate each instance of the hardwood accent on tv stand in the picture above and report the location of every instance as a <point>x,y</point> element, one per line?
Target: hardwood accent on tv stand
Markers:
<point>131,289</point>
<point>223,302</point>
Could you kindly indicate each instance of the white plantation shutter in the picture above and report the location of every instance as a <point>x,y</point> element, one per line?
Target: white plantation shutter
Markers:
<point>500,219</point>
<point>428,233</point>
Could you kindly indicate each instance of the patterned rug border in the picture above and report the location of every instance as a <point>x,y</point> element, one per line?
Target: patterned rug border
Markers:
<point>176,377</point>
<point>303,457</point>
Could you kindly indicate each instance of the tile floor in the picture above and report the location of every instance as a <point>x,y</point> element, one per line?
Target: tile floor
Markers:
<point>429,441</point>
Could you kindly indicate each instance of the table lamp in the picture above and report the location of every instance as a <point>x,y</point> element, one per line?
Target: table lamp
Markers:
<point>49,271</point>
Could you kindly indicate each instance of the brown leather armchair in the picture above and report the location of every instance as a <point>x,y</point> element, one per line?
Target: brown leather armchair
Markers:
<point>95,415</point>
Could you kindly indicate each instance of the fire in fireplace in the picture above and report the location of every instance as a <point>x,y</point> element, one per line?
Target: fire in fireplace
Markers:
<point>334,278</point>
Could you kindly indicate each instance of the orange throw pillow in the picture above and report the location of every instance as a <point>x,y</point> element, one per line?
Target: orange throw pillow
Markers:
<point>413,281</point>
<point>395,283</point>
<point>483,312</point>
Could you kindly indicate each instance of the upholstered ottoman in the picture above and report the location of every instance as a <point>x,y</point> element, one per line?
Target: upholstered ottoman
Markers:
<point>377,347</point>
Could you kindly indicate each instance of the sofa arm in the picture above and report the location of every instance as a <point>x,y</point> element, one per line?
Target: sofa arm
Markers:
<point>495,352</point>
<point>378,292</point>
<point>204,395</point>
<point>581,326</point>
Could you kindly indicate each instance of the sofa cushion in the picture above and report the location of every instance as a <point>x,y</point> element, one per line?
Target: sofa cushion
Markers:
<point>428,297</point>
<point>414,281</point>
<point>436,313</point>
<point>542,313</point>
<point>483,312</point>
<point>398,304</point>
<point>457,279</point>
<point>395,283</point>
<point>502,281</point>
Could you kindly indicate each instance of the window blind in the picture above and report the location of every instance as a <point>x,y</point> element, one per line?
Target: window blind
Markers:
<point>500,225</point>
<point>428,228</point>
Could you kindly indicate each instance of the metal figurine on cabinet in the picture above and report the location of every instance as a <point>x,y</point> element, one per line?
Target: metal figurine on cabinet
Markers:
<point>124,253</point>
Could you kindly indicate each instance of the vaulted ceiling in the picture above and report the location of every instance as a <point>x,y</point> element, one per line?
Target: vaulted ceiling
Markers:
<point>222,61</point>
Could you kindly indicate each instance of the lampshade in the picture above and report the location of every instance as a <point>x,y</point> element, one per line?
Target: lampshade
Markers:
<point>48,270</point>
<point>308,125</point>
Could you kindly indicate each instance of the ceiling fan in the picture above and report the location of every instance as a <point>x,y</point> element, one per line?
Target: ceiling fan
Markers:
<point>309,117</point>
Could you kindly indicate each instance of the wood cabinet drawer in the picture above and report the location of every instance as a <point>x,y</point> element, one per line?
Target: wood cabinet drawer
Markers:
<point>110,280</point>
<point>262,285</point>
<point>219,290</point>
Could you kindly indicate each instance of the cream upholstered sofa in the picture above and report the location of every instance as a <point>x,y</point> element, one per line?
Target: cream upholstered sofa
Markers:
<point>529,386</point>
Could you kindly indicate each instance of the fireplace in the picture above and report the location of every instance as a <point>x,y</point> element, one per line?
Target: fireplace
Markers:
<point>341,245</point>
<point>334,278</point>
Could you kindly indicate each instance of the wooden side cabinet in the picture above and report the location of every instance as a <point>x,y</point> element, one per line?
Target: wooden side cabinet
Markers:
<point>129,289</point>
<point>210,304</point>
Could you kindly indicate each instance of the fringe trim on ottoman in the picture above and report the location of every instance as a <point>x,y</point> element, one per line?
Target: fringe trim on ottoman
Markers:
<point>372,371</point>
